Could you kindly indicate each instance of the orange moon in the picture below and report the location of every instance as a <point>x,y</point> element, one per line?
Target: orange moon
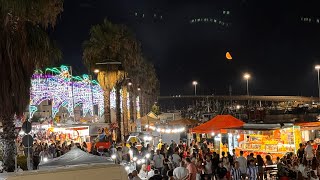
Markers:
<point>228,56</point>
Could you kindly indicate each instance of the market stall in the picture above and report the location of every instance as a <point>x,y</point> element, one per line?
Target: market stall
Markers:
<point>216,134</point>
<point>309,131</point>
<point>217,123</point>
<point>267,139</point>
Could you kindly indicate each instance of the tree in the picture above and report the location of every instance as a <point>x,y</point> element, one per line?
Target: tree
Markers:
<point>105,44</point>
<point>115,43</point>
<point>24,46</point>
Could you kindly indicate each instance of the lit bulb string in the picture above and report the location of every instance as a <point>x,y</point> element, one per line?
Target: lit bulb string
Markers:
<point>166,130</point>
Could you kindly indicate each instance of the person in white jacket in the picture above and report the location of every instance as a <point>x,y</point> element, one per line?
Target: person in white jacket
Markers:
<point>242,164</point>
<point>181,173</point>
<point>143,174</point>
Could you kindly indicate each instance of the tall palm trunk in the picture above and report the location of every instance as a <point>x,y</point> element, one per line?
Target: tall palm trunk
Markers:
<point>106,98</point>
<point>132,102</point>
<point>125,110</point>
<point>8,141</point>
<point>118,111</point>
<point>142,111</point>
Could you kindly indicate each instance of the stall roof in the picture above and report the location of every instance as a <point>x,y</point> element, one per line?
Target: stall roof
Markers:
<point>149,120</point>
<point>308,124</point>
<point>263,126</point>
<point>75,157</point>
<point>184,122</point>
<point>217,123</point>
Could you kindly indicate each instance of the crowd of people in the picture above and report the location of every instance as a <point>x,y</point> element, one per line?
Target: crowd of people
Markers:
<point>179,161</point>
<point>197,162</point>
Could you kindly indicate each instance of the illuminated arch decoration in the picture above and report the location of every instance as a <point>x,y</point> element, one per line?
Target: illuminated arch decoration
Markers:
<point>98,100</point>
<point>83,94</point>
<point>128,104</point>
<point>138,106</point>
<point>64,90</point>
<point>113,98</point>
<point>113,101</point>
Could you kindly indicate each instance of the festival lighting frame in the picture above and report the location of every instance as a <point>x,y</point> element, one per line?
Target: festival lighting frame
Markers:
<point>65,90</point>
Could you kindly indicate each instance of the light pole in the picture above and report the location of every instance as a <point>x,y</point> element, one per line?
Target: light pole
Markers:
<point>195,83</point>
<point>96,71</point>
<point>317,67</point>
<point>247,76</point>
<point>113,156</point>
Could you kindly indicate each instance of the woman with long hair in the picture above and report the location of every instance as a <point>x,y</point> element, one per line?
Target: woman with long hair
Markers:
<point>226,164</point>
<point>268,160</point>
<point>261,166</point>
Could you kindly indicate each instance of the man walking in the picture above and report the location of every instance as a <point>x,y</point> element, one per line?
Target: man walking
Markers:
<point>192,169</point>
<point>252,171</point>
<point>242,165</point>
<point>158,161</point>
<point>181,173</point>
<point>236,172</point>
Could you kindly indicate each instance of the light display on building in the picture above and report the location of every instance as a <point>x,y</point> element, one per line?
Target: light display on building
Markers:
<point>113,98</point>
<point>64,90</point>
<point>138,106</point>
<point>128,104</point>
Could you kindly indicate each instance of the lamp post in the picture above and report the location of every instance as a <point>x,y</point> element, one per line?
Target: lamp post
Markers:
<point>96,71</point>
<point>247,76</point>
<point>113,156</point>
<point>317,67</point>
<point>195,83</point>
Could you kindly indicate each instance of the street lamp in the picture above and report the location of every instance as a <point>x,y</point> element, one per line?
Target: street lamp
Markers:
<point>195,83</point>
<point>113,156</point>
<point>317,67</point>
<point>134,159</point>
<point>247,76</point>
<point>96,71</point>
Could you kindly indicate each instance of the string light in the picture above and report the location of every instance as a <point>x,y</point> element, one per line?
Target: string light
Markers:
<point>166,130</point>
<point>138,106</point>
<point>66,91</point>
<point>113,101</point>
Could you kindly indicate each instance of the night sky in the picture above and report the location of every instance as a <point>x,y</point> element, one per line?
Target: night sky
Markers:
<point>271,40</point>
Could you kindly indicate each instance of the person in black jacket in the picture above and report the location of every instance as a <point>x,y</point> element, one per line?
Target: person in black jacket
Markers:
<point>221,171</point>
<point>300,151</point>
<point>156,175</point>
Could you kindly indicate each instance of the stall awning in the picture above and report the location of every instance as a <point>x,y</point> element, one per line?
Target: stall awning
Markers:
<point>147,120</point>
<point>217,123</point>
<point>75,157</point>
<point>308,124</point>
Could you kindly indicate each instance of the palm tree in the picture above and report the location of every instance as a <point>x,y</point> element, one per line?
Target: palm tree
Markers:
<point>24,46</point>
<point>110,42</point>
